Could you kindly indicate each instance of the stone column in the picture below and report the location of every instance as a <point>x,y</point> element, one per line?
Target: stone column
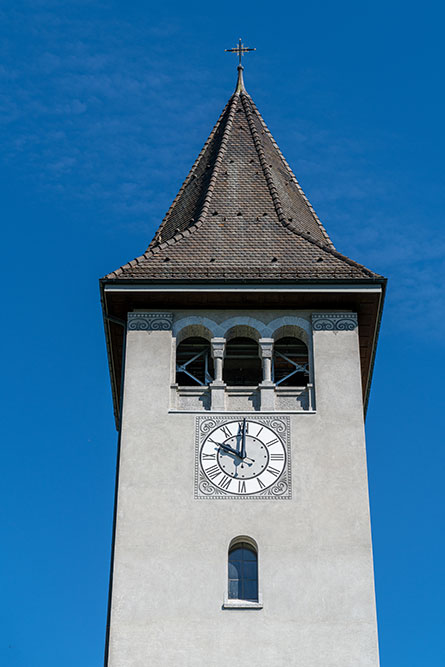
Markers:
<point>267,387</point>
<point>217,387</point>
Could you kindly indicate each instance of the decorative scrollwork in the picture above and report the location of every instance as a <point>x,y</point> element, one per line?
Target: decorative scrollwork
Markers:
<point>207,488</point>
<point>347,324</point>
<point>207,425</point>
<point>279,488</point>
<point>278,425</point>
<point>161,325</point>
<point>323,325</point>
<point>150,321</point>
<point>334,321</point>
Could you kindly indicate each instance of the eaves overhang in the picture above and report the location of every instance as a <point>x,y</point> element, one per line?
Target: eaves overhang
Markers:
<point>120,296</point>
<point>149,283</point>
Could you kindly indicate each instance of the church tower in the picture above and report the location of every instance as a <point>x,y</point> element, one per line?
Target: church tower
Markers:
<point>241,347</point>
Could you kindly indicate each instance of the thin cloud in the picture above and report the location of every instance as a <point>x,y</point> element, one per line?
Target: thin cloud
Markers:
<point>112,124</point>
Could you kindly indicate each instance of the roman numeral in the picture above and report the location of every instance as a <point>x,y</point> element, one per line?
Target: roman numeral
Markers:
<point>213,472</point>
<point>225,482</point>
<point>259,431</point>
<point>213,442</point>
<point>277,457</point>
<point>208,457</point>
<point>241,486</point>
<point>240,427</point>
<point>272,442</point>
<point>226,431</point>
<point>262,486</point>
<point>274,471</point>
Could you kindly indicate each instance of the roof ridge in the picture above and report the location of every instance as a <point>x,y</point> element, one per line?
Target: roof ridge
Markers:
<point>155,246</point>
<point>218,160</point>
<point>330,250</point>
<point>188,178</point>
<point>289,168</point>
<point>209,161</point>
<point>276,199</point>
<point>260,150</point>
<point>205,206</point>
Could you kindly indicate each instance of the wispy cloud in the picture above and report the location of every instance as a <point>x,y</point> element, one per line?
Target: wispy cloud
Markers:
<point>105,120</point>
<point>94,106</point>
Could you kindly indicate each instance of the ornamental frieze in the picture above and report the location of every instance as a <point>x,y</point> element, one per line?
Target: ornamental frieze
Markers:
<point>150,321</point>
<point>334,321</point>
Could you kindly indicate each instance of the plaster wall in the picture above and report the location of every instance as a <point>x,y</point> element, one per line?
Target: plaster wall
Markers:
<point>315,556</point>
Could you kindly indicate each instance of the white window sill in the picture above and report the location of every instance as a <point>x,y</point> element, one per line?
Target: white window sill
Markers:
<point>242,604</point>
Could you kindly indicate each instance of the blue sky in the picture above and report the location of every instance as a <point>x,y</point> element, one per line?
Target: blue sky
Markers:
<point>103,108</point>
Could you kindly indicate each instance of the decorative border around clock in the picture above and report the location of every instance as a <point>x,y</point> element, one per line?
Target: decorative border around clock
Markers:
<point>204,489</point>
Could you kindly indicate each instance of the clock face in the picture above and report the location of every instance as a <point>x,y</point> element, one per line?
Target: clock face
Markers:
<point>243,457</point>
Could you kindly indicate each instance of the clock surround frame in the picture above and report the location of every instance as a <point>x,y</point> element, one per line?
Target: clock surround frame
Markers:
<point>205,489</point>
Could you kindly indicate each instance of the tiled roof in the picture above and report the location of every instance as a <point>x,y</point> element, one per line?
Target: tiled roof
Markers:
<point>241,213</point>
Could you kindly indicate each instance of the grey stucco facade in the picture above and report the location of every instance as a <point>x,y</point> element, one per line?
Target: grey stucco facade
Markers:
<point>314,550</point>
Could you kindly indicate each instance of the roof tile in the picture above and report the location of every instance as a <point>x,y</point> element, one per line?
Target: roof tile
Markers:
<point>241,213</point>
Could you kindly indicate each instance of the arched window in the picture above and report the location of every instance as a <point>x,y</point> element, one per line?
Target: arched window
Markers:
<point>242,364</point>
<point>243,572</point>
<point>290,363</point>
<point>194,365</point>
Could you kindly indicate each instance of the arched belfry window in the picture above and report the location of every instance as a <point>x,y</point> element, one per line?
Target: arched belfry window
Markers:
<point>242,364</point>
<point>194,364</point>
<point>290,363</point>
<point>243,572</point>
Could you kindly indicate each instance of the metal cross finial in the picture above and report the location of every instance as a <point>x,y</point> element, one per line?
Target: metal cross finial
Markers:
<point>240,49</point>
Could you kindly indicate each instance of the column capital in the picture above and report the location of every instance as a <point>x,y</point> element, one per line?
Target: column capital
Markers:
<point>149,321</point>
<point>218,347</point>
<point>266,347</point>
<point>334,321</point>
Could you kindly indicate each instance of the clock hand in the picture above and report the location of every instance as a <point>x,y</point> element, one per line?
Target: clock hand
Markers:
<point>243,445</point>
<point>229,449</point>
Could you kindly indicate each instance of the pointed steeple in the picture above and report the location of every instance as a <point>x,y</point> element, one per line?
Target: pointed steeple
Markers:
<point>241,213</point>
<point>240,82</point>
<point>241,231</point>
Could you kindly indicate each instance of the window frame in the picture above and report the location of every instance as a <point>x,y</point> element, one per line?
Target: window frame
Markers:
<point>233,603</point>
